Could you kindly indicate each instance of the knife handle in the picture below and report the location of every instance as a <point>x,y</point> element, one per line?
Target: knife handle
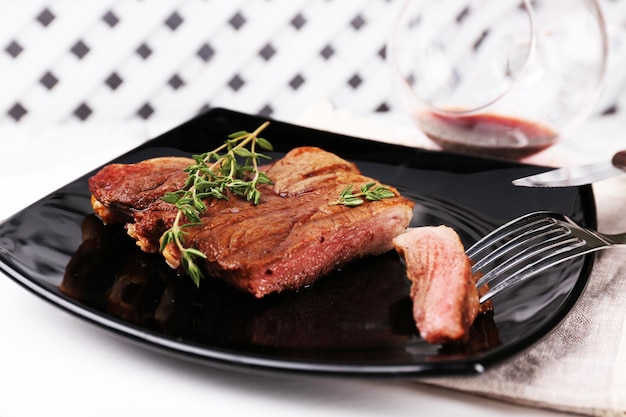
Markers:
<point>619,160</point>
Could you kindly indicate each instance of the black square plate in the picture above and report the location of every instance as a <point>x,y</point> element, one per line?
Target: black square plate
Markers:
<point>355,321</point>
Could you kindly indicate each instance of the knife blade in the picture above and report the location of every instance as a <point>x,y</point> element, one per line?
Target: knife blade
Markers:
<point>577,175</point>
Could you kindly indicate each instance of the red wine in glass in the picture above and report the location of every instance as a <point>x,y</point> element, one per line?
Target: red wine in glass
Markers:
<point>489,135</point>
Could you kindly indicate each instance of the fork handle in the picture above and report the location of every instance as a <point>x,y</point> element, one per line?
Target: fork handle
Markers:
<point>619,239</point>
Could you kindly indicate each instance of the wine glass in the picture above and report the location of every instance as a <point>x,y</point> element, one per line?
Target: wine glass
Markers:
<point>499,78</point>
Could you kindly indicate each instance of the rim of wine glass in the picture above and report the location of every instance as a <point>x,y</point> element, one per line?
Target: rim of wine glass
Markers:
<point>392,48</point>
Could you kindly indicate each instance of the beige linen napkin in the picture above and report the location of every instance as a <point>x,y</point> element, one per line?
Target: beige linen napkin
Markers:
<point>581,366</point>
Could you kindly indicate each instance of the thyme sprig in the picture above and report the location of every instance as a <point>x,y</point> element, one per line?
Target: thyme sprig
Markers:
<point>215,174</point>
<point>369,191</point>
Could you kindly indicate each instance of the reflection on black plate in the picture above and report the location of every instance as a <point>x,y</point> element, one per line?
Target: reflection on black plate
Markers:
<point>355,321</point>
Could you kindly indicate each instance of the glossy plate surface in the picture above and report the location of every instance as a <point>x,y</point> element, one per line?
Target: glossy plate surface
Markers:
<point>355,321</point>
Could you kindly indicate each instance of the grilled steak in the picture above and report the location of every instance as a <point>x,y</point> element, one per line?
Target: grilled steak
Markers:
<point>288,241</point>
<point>443,291</point>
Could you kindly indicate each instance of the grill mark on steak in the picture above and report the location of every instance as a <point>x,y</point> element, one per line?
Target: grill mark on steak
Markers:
<point>288,241</point>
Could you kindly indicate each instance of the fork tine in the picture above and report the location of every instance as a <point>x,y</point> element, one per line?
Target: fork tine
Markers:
<point>554,244</point>
<point>528,233</point>
<point>524,247</point>
<point>541,263</point>
<point>503,231</point>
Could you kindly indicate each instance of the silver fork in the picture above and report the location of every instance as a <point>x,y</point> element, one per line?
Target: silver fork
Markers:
<point>528,245</point>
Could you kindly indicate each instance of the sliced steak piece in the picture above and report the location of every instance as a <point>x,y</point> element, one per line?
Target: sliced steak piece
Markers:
<point>443,291</point>
<point>293,237</point>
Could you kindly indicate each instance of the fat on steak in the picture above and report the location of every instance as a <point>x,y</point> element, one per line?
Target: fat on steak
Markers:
<point>443,288</point>
<point>288,241</point>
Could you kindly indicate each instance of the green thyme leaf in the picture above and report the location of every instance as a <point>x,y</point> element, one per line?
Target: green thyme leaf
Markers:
<point>264,144</point>
<point>212,174</point>
<point>243,152</point>
<point>369,191</point>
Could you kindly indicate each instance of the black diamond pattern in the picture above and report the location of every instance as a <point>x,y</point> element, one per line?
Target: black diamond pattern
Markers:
<point>14,49</point>
<point>237,21</point>
<point>110,18</point>
<point>327,52</point>
<point>382,52</point>
<point>480,39</point>
<point>17,112</point>
<point>415,22</point>
<point>266,111</point>
<point>80,49</point>
<point>358,22</point>
<point>144,51</point>
<point>236,83</point>
<point>176,82</point>
<point>45,17</point>
<point>610,110</point>
<point>204,108</point>
<point>174,21</point>
<point>113,81</point>
<point>296,82</point>
<point>83,111</point>
<point>355,81</point>
<point>464,13</point>
<point>49,80</point>
<point>206,52</point>
<point>267,52</point>
<point>298,21</point>
<point>145,111</point>
<point>383,107</point>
